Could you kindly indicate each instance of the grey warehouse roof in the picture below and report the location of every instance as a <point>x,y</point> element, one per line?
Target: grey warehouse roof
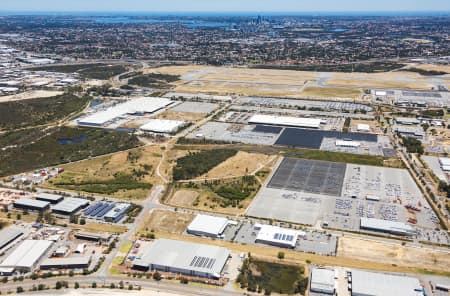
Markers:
<point>386,225</point>
<point>70,261</point>
<point>186,256</point>
<point>26,254</point>
<point>49,196</point>
<point>9,234</point>
<point>371,283</point>
<point>70,204</point>
<point>31,203</point>
<point>208,224</point>
<point>322,280</point>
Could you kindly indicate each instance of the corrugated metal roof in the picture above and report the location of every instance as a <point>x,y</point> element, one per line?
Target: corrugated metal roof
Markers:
<point>285,121</point>
<point>208,224</point>
<point>322,280</point>
<point>371,283</point>
<point>186,256</point>
<point>138,105</point>
<point>27,254</point>
<point>70,204</point>
<point>65,261</point>
<point>31,203</point>
<point>49,196</point>
<point>162,125</point>
<point>9,234</point>
<point>279,235</point>
<point>386,225</point>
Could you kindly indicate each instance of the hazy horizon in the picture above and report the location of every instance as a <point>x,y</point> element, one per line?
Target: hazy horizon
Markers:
<point>229,6</point>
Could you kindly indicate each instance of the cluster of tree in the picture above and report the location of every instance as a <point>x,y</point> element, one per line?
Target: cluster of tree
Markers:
<point>198,163</point>
<point>17,114</point>
<point>444,187</point>
<point>94,142</point>
<point>413,145</point>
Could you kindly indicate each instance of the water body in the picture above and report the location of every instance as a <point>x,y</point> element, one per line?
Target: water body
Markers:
<point>67,141</point>
<point>189,24</point>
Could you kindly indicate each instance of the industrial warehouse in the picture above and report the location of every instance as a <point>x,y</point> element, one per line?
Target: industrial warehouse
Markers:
<point>190,259</point>
<point>323,281</point>
<point>25,256</point>
<point>9,235</point>
<point>364,283</point>
<point>277,236</point>
<point>70,206</point>
<point>136,106</point>
<point>205,225</point>
<point>31,204</point>
<point>107,211</point>
<point>162,126</point>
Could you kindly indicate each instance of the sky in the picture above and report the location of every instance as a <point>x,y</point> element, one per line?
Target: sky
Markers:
<point>226,5</point>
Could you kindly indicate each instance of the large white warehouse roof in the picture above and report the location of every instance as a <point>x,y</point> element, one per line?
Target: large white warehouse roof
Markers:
<point>207,225</point>
<point>139,105</point>
<point>162,126</point>
<point>185,257</point>
<point>26,255</point>
<point>371,283</point>
<point>285,121</point>
<point>277,235</point>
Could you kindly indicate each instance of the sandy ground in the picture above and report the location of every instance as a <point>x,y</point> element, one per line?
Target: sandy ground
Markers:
<point>183,116</point>
<point>225,80</point>
<point>445,68</point>
<point>392,253</point>
<point>184,198</point>
<point>105,167</point>
<point>243,163</point>
<point>168,221</point>
<point>33,94</point>
<point>331,92</point>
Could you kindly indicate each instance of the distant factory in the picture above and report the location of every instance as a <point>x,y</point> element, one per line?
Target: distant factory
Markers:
<point>139,106</point>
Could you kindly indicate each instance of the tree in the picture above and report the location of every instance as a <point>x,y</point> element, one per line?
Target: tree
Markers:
<point>94,285</point>
<point>41,287</point>
<point>71,273</point>
<point>82,221</point>
<point>280,255</point>
<point>112,286</point>
<point>58,285</point>
<point>157,276</point>
<point>19,289</point>
<point>76,285</point>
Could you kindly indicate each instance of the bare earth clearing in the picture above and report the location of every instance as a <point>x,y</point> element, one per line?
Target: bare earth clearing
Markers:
<point>392,253</point>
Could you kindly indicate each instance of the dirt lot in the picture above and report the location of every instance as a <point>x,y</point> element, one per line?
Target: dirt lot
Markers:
<point>104,168</point>
<point>184,198</point>
<point>243,163</point>
<point>392,253</point>
<point>331,92</point>
<point>167,221</point>
<point>32,94</point>
<point>431,67</point>
<point>183,116</point>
